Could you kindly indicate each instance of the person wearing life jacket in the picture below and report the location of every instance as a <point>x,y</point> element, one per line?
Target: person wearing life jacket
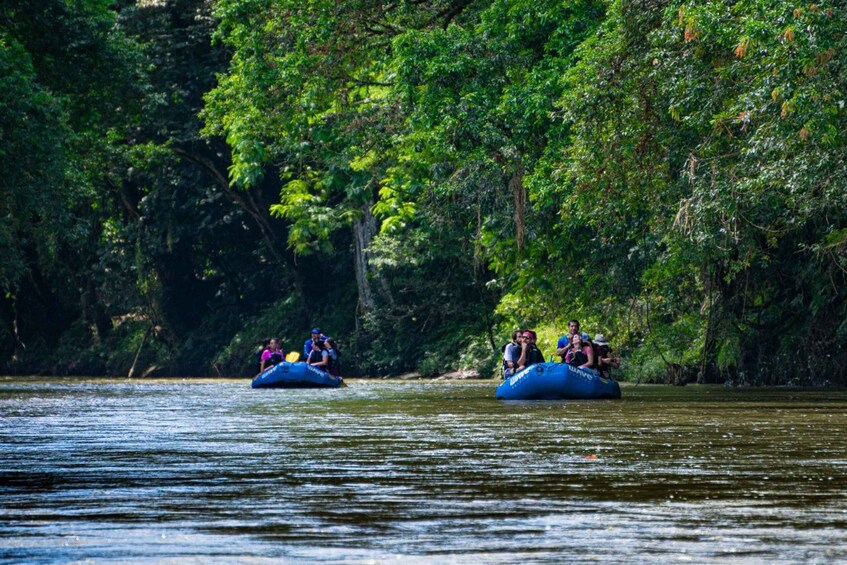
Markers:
<point>530,354</point>
<point>511,354</point>
<point>333,362</point>
<point>272,355</point>
<point>316,336</point>
<point>580,354</point>
<point>319,357</point>
<point>604,361</point>
<point>315,353</point>
<point>564,343</point>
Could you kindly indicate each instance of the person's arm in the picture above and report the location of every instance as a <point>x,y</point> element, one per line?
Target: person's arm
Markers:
<point>323,361</point>
<point>509,356</point>
<point>601,361</point>
<point>589,352</point>
<point>607,360</point>
<point>562,348</point>
<point>522,358</point>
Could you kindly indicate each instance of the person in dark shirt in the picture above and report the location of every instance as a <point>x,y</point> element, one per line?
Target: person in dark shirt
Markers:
<point>605,361</point>
<point>530,354</point>
<point>580,354</point>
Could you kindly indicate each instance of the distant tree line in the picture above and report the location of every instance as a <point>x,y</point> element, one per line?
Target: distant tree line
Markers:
<point>181,178</point>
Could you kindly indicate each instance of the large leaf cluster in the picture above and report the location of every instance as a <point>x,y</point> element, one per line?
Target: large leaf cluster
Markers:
<point>707,152</point>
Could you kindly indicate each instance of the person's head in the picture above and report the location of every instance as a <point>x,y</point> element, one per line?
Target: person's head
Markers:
<point>273,344</point>
<point>516,336</point>
<point>528,337</point>
<point>573,327</point>
<point>330,343</point>
<point>316,333</point>
<point>576,340</point>
<point>266,342</point>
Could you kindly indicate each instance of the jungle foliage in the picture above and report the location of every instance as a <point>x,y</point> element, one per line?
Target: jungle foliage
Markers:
<point>181,178</point>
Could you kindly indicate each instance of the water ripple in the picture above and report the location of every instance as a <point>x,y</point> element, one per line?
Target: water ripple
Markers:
<point>104,470</point>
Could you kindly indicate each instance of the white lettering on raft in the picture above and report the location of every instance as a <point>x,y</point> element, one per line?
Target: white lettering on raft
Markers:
<point>576,371</point>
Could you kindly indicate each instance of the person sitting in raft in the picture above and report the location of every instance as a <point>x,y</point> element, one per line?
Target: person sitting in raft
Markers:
<point>564,343</point>
<point>605,361</point>
<point>314,355</point>
<point>316,336</point>
<point>511,354</point>
<point>334,366</point>
<point>271,356</point>
<point>319,358</point>
<point>580,354</point>
<point>530,354</point>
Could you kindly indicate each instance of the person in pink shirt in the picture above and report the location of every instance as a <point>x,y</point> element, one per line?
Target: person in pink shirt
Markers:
<point>272,355</point>
<point>580,354</point>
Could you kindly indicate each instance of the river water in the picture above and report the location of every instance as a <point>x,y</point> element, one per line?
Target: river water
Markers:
<point>198,471</point>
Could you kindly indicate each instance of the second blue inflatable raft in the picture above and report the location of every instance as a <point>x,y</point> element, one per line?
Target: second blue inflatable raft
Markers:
<point>553,381</point>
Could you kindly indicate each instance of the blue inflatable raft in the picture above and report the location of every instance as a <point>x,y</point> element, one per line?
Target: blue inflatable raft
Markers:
<point>295,375</point>
<point>553,381</point>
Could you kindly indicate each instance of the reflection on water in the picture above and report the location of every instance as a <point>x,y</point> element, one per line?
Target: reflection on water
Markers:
<point>173,470</point>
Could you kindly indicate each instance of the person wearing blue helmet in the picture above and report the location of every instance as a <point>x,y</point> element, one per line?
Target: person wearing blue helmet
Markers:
<point>316,337</point>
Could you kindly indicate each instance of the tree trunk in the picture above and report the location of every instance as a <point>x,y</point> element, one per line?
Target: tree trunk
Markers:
<point>138,354</point>
<point>364,230</point>
<point>519,193</point>
<point>709,339</point>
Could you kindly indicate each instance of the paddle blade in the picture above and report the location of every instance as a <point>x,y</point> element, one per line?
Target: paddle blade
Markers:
<point>293,356</point>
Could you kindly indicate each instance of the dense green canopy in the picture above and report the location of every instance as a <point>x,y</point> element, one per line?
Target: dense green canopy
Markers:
<point>182,178</point>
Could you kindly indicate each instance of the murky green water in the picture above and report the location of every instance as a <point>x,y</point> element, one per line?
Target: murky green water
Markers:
<point>149,471</point>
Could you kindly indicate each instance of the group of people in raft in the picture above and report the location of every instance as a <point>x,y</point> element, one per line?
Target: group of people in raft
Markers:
<point>575,348</point>
<point>320,351</point>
